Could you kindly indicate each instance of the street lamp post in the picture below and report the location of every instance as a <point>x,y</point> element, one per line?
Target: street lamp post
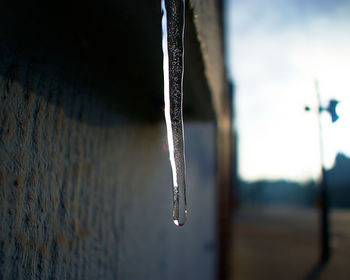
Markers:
<point>323,184</point>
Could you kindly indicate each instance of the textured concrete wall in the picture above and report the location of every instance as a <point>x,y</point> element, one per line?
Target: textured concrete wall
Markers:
<point>85,195</point>
<point>85,183</point>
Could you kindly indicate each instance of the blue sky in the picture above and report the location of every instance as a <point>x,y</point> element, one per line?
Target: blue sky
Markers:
<point>276,51</point>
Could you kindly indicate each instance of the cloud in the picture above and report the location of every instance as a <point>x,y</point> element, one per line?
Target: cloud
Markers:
<point>278,49</point>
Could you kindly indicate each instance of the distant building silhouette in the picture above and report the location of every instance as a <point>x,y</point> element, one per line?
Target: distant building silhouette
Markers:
<point>292,193</point>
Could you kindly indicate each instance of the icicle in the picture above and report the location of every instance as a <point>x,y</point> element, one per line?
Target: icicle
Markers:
<point>173,22</point>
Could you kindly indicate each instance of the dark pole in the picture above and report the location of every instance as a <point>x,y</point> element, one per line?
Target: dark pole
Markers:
<point>323,191</point>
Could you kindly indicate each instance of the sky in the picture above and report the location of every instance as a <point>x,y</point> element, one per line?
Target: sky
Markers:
<point>276,50</point>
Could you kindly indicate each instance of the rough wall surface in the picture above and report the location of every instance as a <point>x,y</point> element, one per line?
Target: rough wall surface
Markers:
<point>85,183</point>
<point>86,195</point>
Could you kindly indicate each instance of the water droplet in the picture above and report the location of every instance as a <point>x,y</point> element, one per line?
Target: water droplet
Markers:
<point>173,23</point>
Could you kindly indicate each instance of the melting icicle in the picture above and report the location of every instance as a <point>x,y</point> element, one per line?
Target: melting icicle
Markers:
<point>173,22</point>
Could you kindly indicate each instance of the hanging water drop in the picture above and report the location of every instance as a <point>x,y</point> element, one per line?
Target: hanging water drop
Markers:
<point>173,22</point>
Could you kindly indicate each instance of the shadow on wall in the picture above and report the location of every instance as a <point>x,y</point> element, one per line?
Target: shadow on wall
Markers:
<point>87,46</point>
<point>107,48</point>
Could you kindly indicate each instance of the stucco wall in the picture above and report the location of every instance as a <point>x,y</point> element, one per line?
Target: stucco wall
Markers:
<point>86,195</point>
<point>85,183</point>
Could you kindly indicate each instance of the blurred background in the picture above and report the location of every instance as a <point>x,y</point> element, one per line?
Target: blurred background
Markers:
<point>286,60</point>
